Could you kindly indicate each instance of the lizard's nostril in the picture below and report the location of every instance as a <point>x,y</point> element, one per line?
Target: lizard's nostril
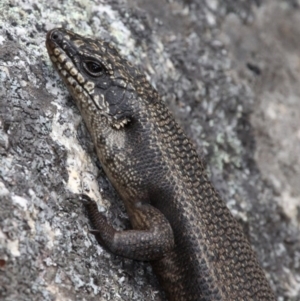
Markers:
<point>55,35</point>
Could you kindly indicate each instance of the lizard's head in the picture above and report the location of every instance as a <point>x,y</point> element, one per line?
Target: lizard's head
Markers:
<point>102,83</point>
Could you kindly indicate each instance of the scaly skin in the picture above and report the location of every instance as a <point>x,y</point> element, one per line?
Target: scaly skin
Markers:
<point>179,222</point>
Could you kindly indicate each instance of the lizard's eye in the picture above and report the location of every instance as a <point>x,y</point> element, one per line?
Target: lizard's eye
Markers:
<point>94,68</point>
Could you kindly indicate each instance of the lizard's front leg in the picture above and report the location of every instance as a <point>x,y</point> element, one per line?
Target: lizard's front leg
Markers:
<point>151,241</point>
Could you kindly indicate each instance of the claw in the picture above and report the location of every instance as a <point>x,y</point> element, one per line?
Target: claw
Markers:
<point>94,231</point>
<point>86,199</point>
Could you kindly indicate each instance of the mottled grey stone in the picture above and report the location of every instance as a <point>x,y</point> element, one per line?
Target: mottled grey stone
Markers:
<point>229,71</point>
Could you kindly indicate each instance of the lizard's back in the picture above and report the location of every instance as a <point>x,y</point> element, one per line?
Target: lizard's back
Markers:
<point>212,259</point>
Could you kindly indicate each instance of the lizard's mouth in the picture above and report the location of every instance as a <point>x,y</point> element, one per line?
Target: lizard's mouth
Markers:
<point>61,54</point>
<point>64,57</point>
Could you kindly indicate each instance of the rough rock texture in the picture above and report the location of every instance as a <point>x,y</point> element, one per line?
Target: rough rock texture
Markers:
<point>229,70</point>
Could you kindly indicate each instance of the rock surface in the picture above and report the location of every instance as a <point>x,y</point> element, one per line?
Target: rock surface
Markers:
<point>229,71</point>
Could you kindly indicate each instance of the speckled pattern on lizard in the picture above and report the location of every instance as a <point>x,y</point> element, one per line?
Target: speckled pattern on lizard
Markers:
<point>179,222</point>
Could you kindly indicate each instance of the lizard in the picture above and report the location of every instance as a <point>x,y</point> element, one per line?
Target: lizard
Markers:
<point>179,222</point>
